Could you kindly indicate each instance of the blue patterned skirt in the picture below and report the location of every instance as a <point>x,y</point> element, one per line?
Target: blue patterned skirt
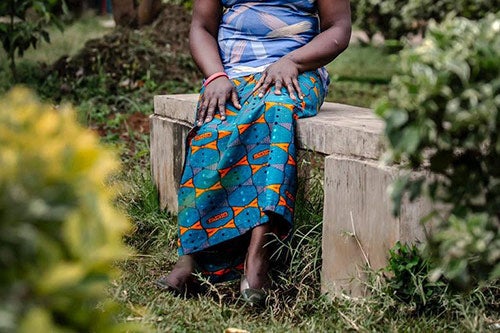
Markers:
<point>239,172</point>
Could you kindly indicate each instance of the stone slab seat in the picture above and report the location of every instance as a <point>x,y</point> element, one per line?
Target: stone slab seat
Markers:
<point>355,184</point>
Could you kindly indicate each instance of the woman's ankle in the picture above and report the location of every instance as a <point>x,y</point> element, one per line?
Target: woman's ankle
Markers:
<point>182,271</point>
<point>258,258</point>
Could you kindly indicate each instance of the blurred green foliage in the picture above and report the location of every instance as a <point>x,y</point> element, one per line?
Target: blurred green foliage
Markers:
<point>60,234</point>
<point>396,18</point>
<point>24,25</point>
<point>442,115</point>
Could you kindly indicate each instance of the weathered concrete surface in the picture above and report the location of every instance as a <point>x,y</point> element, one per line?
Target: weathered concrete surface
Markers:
<point>358,226</point>
<point>355,183</point>
<point>167,158</point>
<point>342,129</point>
<point>337,129</point>
<point>178,107</point>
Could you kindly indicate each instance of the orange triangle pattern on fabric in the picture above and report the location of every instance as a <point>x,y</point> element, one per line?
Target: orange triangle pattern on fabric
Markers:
<point>261,119</point>
<point>210,145</point>
<point>212,231</point>
<point>270,104</point>
<point>223,134</point>
<point>223,172</point>
<point>274,187</point>
<point>229,224</point>
<point>283,146</point>
<point>195,226</point>
<point>291,161</point>
<point>216,186</point>
<point>189,183</point>
<point>256,167</point>
<point>254,203</point>
<point>243,161</point>
<point>194,149</point>
<point>315,89</point>
<point>282,202</point>
<point>237,210</point>
<point>182,230</point>
<point>243,127</point>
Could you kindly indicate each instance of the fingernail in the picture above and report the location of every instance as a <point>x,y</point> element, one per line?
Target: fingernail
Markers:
<point>261,95</point>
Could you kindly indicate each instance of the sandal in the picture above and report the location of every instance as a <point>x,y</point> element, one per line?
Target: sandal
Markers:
<point>254,297</point>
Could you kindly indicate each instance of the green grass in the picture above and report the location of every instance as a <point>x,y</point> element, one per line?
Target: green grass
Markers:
<point>295,305</point>
<point>360,75</point>
<point>364,64</point>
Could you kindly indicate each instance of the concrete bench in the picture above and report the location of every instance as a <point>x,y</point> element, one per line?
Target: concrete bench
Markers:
<point>355,184</point>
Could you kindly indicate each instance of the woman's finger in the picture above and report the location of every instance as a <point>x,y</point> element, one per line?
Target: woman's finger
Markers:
<point>277,87</point>
<point>210,110</point>
<point>202,111</point>
<point>260,82</point>
<point>265,86</point>
<point>222,108</point>
<point>234,99</point>
<point>297,88</point>
<point>291,89</point>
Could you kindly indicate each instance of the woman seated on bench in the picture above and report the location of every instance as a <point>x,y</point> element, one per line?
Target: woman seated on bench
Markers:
<point>263,66</point>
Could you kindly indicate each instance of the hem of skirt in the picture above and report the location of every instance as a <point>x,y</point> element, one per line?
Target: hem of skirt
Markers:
<point>263,220</point>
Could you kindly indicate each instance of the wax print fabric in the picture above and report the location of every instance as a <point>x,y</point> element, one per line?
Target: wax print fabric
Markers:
<point>240,170</point>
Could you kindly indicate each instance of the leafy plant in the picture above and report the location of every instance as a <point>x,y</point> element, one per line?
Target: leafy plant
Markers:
<point>442,115</point>
<point>25,26</point>
<point>60,234</point>
<point>408,279</point>
<point>397,18</point>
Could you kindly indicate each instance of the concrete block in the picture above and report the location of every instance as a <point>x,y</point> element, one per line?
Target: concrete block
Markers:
<point>342,129</point>
<point>357,203</point>
<point>168,138</point>
<point>337,129</point>
<point>355,185</point>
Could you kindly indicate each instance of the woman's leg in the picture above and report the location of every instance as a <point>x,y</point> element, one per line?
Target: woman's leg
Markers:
<point>258,256</point>
<point>180,276</point>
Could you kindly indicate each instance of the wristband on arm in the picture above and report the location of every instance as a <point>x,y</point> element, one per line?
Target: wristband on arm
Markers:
<point>213,77</point>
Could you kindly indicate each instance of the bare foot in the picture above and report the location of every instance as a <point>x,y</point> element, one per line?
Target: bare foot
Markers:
<point>257,261</point>
<point>180,276</point>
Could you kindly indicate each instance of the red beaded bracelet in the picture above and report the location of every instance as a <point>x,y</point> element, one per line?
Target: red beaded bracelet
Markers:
<point>213,77</point>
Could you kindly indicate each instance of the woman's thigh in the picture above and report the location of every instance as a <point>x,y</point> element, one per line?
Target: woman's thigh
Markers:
<point>310,85</point>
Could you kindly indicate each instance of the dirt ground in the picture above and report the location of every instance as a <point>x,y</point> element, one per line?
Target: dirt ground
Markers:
<point>127,57</point>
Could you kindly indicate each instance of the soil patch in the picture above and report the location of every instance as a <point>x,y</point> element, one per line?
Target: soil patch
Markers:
<point>127,59</point>
<point>119,74</point>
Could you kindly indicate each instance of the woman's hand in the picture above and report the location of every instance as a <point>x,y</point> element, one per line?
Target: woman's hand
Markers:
<point>219,92</point>
<point>283,73</point>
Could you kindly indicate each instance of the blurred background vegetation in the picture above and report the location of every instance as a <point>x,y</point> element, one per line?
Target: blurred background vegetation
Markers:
<point>430,69</point>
